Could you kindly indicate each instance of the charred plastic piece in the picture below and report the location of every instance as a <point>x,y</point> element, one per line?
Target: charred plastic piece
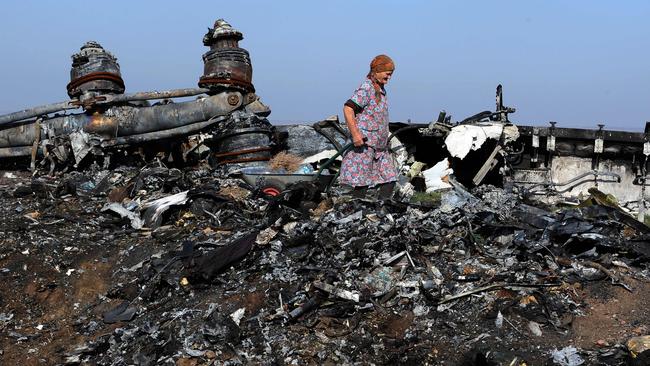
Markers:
<point>209,265</point>
<point>226,65</point>
<point>94,72</point>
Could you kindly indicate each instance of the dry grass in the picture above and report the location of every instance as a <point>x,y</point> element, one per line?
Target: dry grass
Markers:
<point>286,161</point>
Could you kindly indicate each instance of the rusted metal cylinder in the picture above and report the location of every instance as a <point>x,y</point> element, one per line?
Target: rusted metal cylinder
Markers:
<point>94,71</point>
<point>244,145</point>
<point>244,140</point>
<point>226,65</point>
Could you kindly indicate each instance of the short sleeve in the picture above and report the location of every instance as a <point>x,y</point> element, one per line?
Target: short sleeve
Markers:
<point>361,96</point>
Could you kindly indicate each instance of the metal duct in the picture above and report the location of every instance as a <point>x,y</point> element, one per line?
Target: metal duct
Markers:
<point>102,99</point>
<point>120,121</point>
<point>37,111</point>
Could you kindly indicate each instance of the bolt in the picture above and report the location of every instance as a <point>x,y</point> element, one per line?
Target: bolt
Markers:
<point>233,99</point>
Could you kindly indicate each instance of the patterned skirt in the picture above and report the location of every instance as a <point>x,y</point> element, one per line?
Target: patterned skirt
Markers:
<point>367,166</point>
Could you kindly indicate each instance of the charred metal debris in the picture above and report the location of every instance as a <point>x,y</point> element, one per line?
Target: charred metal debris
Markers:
<point>196,233</point>
<point>113,122</point>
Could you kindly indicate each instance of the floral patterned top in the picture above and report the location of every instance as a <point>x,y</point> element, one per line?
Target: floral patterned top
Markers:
<point>371,164</point>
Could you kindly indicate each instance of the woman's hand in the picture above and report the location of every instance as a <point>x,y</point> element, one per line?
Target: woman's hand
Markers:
<point>358,139</point>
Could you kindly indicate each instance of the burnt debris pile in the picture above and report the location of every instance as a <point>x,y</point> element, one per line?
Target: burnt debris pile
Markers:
<point>152,265</point>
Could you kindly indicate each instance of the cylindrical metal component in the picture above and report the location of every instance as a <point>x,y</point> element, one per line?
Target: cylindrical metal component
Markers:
<point>244,145</point>
<point>124,120</point>
<point>160,117</point>
<point>37,111</point>
<point>152,95</point>
<point>110,99</point>
<point>163,134</point>
<point>244,140</point>
<point>94,71</point>
<point>226,65</point>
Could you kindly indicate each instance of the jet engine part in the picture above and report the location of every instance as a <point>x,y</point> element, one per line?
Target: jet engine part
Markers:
<point>94,72</point>
<point>226,65</point>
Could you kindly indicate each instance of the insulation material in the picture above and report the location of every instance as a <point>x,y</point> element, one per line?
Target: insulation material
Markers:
<point>323,155</point>
<point>464,138</point>
<point>437,177</point>
<point>510,133</point>
<point>399,154</point>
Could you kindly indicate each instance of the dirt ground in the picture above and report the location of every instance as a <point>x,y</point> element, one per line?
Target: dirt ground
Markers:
<point>614,314</point>
<point>56,302</point>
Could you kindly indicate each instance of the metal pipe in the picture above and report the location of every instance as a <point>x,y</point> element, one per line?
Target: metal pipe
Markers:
<point>575,181</point>
<point>16,151</point>
<point>152,95</point>
<point>126,120</point>
<point>37,111</point>
<point>136,120</point>
<point>159,135</point>
<point>102,99</point>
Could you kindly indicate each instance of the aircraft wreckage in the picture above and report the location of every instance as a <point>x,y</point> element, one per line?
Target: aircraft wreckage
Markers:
<point>143,246</point>
<point>229,118</point>
<point>226,101</point>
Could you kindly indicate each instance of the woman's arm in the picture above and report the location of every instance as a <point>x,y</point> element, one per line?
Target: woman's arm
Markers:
<point>351,121</point>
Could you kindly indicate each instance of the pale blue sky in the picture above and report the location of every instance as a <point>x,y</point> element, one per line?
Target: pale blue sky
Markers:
<point>576,62</point>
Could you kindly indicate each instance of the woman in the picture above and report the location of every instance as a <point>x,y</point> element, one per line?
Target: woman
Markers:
<point>366,114</point>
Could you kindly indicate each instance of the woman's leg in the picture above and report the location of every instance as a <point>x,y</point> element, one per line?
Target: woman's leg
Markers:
<point>385,191</point>
<point>359,191</point>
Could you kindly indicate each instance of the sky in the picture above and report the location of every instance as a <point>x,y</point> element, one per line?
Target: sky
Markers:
<point>578,63</point>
